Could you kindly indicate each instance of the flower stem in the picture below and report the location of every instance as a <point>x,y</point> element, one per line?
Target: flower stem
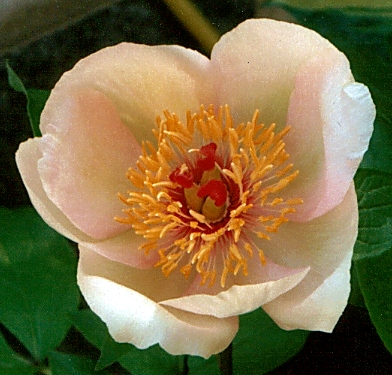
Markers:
<point>195,22</point>
<point>225,359</point>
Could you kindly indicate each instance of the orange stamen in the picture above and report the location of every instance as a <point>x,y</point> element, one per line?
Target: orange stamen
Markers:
<point>207,189</point>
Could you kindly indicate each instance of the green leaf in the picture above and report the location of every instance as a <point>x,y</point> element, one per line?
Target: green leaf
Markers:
<point>374,274</point>
<point>374,191</point>
<point>91,326</point>
<point>152,361</point>
<point>112,351</point>
<point>12,363</point>
<point>36,99</point>
<point>68,364</point>
<point>200,366</point>
<point>376,4</point>
<point>373,250</point>
<point>38,285</point>
<point>260,345</point>
<point>356,296</point>
<point>95,331</point>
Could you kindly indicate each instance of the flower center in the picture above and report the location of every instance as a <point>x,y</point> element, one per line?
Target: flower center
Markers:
<point>204,191</point>
<point>207,197</point>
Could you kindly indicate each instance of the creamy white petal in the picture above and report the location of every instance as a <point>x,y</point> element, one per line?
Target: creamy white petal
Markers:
<point>326,245</point>
<point>135,318</point>
<point>240,299</point>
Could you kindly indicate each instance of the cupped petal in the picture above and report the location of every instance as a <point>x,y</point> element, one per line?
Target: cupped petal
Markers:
<point>254,67</point>
<point>85,157</point>
<point>134,316</point>
<point>318,311</point>
<point>327,103</point>
<point>141,81</point>
<point>271,281</point>
<point>326,245</point>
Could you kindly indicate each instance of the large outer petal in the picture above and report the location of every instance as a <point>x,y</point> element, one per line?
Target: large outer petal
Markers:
<point>85,149</point>
<point>332,122</point>
<point>125,299</point>
<point>326,245</point>
<point>141,81</point>
<point>254,67</point>
<point>85,158</point>
<point>263,285</point>
<point>92,116</point>
<point>296,77</point>
<point>122,248</point>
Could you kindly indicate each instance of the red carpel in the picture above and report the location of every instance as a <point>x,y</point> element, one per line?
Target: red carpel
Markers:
<point>216,190</point>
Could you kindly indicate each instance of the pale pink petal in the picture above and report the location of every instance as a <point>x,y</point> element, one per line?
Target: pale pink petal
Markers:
<point>85,159</point>
<point>326,245</point>
<point>272,281</point>
<point>316,311</point>
<point>133,316</point>
<point>124,248</point>
<point>27,158</point>
<point>254,67</point>
<point>326,102</point>
<point>141,81</point>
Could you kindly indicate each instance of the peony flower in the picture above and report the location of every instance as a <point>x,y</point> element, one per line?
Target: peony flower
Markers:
<point>199,190</point>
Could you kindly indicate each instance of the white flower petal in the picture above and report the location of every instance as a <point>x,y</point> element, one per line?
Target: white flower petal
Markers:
<point>137,319</point>
<point>240,299</point>
<point>326,245</point>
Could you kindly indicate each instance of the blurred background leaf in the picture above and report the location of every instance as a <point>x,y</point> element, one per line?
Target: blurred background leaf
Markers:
<point>69,364</point>
<point>377,4</point>
<point>38,287</point>
<point>36,99</point>
<point>375,279</point>
<point>12,363</point>
<point>260,345</point>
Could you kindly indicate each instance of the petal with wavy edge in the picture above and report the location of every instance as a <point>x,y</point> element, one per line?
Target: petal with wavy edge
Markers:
<point>254,67</point>
<point>141,81</point>
<point>326,245</point>
<point>135,318</point>
<point>84,162</point>
<point>273,281</point>
<point>326,102</point>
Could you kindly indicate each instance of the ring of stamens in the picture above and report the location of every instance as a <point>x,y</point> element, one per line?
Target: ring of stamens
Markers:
<point>204,196</point>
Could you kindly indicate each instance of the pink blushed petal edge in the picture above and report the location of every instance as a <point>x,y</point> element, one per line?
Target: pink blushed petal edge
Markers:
<point>85,157</point>
<point>326,102</point>
<point>123,248</point>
